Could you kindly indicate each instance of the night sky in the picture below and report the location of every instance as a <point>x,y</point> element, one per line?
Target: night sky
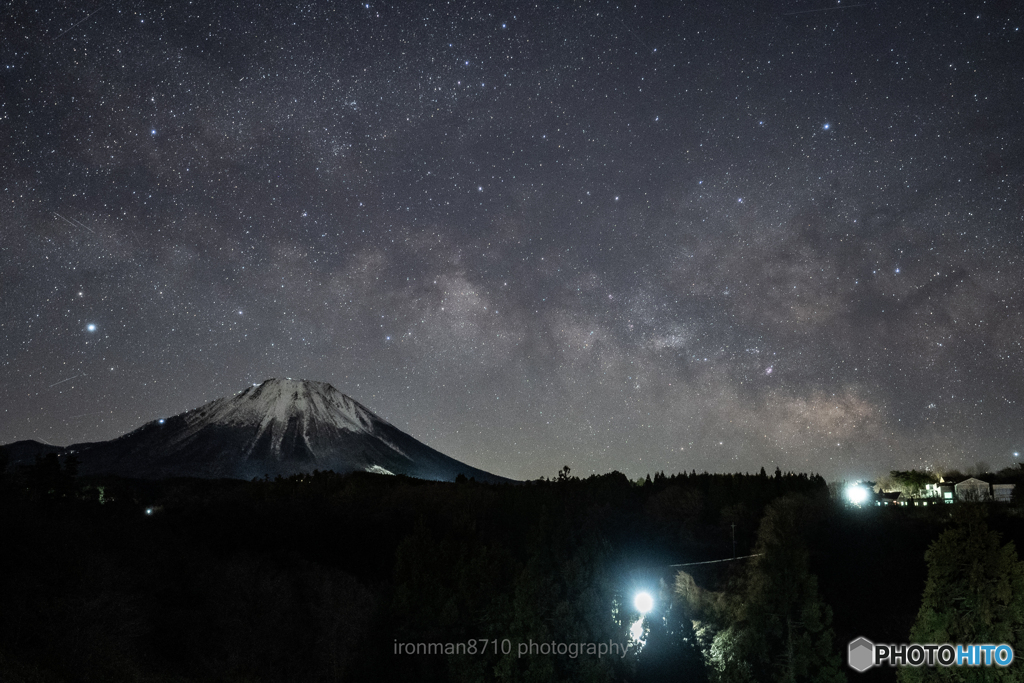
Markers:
<point>714,236</point>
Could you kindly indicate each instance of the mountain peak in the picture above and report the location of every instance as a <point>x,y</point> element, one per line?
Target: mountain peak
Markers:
<point>281,426</point>
<point>277,402</point>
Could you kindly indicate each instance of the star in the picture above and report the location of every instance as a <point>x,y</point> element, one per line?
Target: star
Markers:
<point>314,189</point>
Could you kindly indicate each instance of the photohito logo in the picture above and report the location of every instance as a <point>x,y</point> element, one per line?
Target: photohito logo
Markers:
<point>862,654</point>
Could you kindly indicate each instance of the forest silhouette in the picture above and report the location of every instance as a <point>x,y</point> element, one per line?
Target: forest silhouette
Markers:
<point>317,577</point>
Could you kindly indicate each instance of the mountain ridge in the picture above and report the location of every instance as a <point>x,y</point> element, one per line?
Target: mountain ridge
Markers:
<point>278,427</point>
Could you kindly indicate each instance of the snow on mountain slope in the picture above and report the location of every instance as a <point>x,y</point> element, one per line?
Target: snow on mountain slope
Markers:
<point>278,427</point>
<point>285,408</point>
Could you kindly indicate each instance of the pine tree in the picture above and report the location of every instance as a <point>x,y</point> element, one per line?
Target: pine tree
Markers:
<point>974,595</point>
<point>783,629</point>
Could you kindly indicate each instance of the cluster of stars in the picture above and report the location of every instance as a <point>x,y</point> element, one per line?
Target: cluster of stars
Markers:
<point>528,236</point>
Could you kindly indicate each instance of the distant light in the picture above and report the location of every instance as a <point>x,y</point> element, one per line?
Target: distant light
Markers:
<point>643,602</point>
<point>856,494</point>
<point>1016,454</point>
<point>149,511</point>
<point>91,327</point>
<point>826,126</point>
<point>161,420</point>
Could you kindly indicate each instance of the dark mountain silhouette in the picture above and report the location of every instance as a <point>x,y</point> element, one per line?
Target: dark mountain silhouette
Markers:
<point>279,427</point>
<point>25,451</point>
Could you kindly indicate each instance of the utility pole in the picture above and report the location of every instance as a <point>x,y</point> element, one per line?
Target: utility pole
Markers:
<point>734,540</point>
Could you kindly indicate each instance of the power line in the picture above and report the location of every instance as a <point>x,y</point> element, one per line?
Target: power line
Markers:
<point>728,559</point>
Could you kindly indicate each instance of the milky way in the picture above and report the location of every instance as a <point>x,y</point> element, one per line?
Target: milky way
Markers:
<point>676,236</point>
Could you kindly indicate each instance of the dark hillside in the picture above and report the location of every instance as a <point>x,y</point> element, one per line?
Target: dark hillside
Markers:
<point>319,577</point>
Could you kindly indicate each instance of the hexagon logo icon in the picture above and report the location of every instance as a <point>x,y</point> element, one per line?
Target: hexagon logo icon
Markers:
<point>861,655</point>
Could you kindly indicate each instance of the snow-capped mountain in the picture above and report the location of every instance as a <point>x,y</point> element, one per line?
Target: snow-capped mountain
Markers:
<point>281,426</point>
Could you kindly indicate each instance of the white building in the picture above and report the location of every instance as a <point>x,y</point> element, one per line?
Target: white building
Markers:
<point>943,489</point>
<point>1002,493</point>
<point>973,490</point>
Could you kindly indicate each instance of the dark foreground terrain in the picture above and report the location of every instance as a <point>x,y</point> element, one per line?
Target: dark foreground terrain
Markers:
<point>323,577</point>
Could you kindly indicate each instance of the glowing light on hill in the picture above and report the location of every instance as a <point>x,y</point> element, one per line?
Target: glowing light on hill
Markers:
<point>856,494</point>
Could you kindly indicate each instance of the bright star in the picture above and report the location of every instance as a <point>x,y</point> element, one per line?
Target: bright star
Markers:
<point>91,327</point>
<point>827,126</point>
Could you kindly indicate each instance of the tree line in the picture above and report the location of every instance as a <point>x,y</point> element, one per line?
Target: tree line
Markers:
<point>315,577</point>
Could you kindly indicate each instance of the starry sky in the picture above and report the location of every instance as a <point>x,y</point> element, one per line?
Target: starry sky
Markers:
<point>665,236</point>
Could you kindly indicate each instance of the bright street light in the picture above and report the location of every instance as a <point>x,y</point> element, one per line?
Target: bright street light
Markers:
<point>643,602</point>
<point>856,494</point>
